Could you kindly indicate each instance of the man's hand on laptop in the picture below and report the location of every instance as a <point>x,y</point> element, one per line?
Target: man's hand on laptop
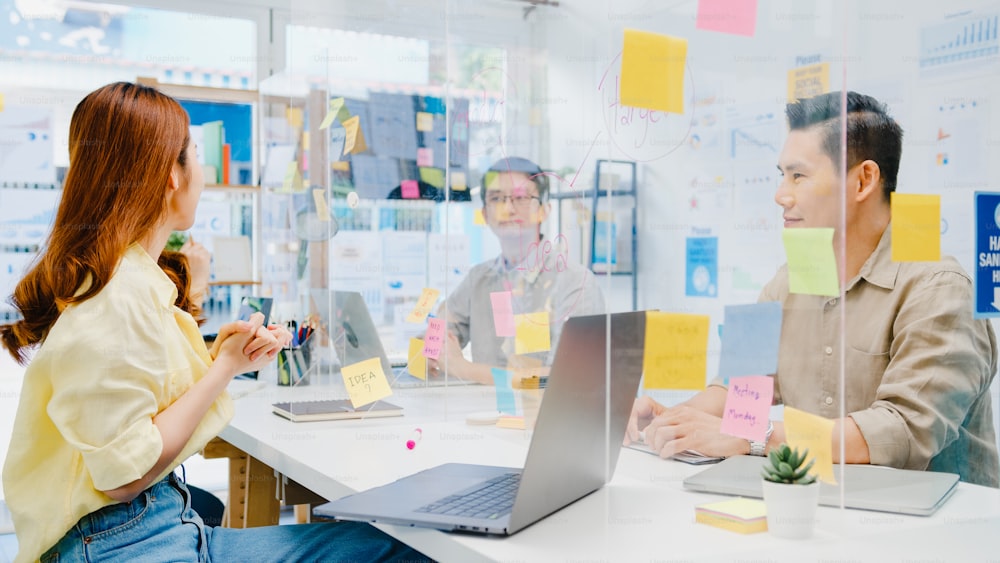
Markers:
<point>676,429</point>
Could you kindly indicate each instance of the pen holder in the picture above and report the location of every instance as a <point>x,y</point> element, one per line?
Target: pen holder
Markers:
<point>295,363</point>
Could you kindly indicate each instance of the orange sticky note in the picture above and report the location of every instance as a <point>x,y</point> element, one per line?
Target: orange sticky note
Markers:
<point>319,196</point>
<point>477,217</point>
<point>365,382</point>
<point>428,298</point>
<point>425,121</point>
<point>916,227</point>
<point>355,141</point>
<point>416,363</point>
<point>532,333</point>
<point>676,351</point>
<point>815,433</point>
<point>653,71</point>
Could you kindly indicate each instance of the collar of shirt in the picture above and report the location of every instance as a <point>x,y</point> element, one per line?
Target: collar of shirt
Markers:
<point>138,261</point>
<point>879,269</point>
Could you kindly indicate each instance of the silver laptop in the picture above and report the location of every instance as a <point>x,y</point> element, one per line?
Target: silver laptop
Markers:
<point>867,487</point>
<point>572,451</point>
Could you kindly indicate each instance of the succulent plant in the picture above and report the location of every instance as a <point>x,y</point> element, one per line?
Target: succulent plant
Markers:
<point>786,466</point>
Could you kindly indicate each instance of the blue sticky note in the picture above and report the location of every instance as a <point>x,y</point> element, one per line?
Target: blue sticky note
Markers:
<point>702,272</point>
<point>750,345</point>
<point>505,391</point>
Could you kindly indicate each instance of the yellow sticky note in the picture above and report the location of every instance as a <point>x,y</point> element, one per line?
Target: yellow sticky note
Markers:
<point>425,121</point>
<point>808,81</point>
<point>355,142</point>
<point>1,102</point>
<point>477,217</point>
<point>428,298</point>
<point>916,227</point>
<point>294,116</point>
<point>338,111</point>
<point>532,333</point>
<point>305,139</point>
<point>458,182</point>
<point>812,268</point>
<point>815,433</point>
<point>341,165</point>
<point>328,120</point>
<point>365,382</point>
<point>653,71</point>
<point>292,178</point>
<point>676,351</point>
<point>319,196</point>
<point>416,363</point>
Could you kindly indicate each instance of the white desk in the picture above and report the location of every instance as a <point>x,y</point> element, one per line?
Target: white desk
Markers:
<point>642,515</point>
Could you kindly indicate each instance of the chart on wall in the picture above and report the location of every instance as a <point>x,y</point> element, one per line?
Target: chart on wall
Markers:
<point>26,215</point>
<point>964,42</point>
<point>26,145</point>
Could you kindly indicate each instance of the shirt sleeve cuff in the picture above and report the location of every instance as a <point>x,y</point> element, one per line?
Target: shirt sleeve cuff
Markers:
<point>887,436</point>
<point>126,458</point>
<point>719,382</point>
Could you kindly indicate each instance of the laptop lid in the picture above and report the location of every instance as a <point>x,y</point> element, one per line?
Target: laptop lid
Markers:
<point>351,328</point>
<point>867,487</point>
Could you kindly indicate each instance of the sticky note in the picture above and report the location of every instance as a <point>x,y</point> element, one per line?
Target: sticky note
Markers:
<point>808,81</point>
<point>319,196</point>
<point>503,313</point>
<point>355,141</point>
<point>434,338</point>
<point>365,382</point>
<point>1,102</point>
<point>328,120</point>
<point>916,227</point>
<point>425,156</point>
<point>458,182</point>
<point>738,17</point>
<point>409,189</point>
<point>531,333</point>
<point>811,267</point>
<point>804,430</point>
<point>750,344</point>
<point>653,71</point>
<point>748,407</point>
<point>292,179</point>
<point>416,363</point>
<point>337,110</point>
<point>294,117</point>
<point>676,351</point>
<point>432,176</point>
<point>505,391</point>
<point>428,298</point>
<point>477,217</point>
<point>341,165</point>
<point>425,121</point>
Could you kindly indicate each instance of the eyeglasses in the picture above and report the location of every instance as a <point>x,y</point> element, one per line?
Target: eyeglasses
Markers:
<point>519,201</point>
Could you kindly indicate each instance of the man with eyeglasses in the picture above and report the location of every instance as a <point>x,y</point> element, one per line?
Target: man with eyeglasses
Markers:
<point>538,274</point>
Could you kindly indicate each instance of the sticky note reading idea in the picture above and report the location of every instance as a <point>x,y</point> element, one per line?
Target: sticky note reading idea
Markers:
<point>532,333</point>
<point>676,351</point>
<point>738,17</point>
<point>815,433</point>
<point>416,363</point>
<point>812,269</point>
<point>653,71</point>
<point>748,407</point>
<point>916,227</point>
<point>365,382</point>
<point>434,338</point>
<point>428,298</point>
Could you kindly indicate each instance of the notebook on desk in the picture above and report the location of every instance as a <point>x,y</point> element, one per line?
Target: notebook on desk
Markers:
<point>867,487</point>
<point>333,409</point>
<point>572,453</point>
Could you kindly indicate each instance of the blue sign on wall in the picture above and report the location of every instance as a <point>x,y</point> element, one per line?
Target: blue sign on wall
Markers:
<point>987,255</point>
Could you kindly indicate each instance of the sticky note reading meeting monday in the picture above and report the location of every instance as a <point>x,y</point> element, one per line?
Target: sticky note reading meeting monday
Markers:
<point>804,430</point>
<point>750,343</point>
<point>365,382</point>
<point>811,267</point>
<point>738,17</point>
<point>416,363</point>
<point>748,407</point>
<point>428,298</point>
<point>916,227</point>
<point>503,313</point>
<point>532,333</point>
<point>434,338</point>
<point>676,351</point>
<point>653,71</point>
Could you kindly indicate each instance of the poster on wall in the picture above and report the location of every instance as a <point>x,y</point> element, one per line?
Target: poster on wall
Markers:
<point>987,272</point>
<point>26,145</point>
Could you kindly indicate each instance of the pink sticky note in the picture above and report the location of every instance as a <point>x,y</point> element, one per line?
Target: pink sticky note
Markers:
<point>434,339</point>
<point>503,313</point>
<point>425,157</point>
<point>748,407</point>
<point>410,189</point>
<point>738,17</point>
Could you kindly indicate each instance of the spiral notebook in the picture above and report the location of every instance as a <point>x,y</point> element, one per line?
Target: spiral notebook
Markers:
<point>334,409</point>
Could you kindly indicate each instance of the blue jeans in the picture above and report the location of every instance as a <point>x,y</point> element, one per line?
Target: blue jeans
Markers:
<point>160,526</point>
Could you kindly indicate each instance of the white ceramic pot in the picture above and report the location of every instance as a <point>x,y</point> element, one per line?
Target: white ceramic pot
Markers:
<point>791,509</point>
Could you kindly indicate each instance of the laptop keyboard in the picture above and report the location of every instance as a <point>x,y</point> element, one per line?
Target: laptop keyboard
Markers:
<point>490,499</point>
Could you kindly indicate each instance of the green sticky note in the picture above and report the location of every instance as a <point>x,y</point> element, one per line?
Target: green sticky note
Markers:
<point>812,268</point>
<point>916,227</point>
<point>432,176</point>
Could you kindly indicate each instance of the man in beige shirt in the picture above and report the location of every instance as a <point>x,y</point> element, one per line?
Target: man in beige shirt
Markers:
<point>917,365</point>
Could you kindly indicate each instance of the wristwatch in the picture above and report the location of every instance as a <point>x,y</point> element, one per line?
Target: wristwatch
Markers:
<point>760,448</point>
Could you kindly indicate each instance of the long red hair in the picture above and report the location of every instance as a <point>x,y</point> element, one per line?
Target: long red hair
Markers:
<point>124,139</point>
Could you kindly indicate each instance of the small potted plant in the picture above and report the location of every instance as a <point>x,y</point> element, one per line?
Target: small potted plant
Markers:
<point>791,493</point>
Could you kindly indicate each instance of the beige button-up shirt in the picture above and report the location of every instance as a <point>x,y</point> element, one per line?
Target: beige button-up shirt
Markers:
<point>917,365</point>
